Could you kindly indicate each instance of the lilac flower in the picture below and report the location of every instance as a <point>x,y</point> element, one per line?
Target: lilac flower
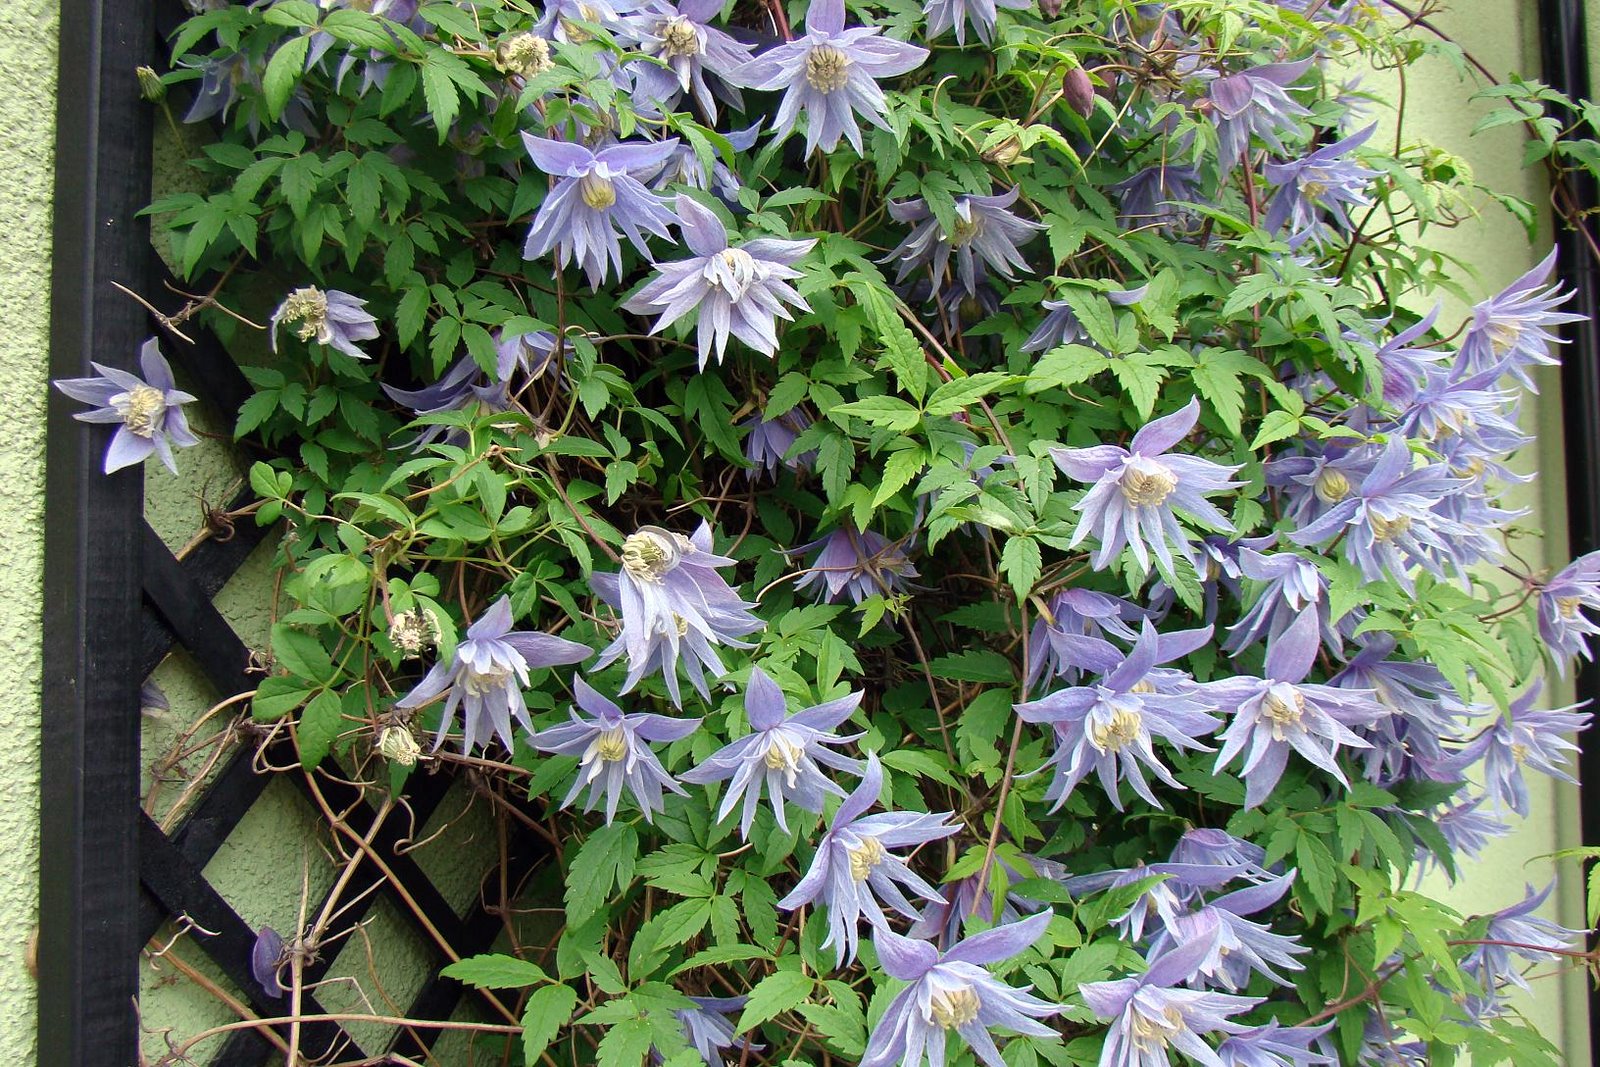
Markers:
<point>673,601</point>
<point>681,36</point>
<point>1523,935</point>
<point>614,751</point>
<point>1562,622</point>
<point>148,411</point>
<point>595,195</point>
<point>1424,712</point>
<point>330,318</point>
<point>708,1029</point>
<point>1148,1015</point>
<point>1294,585</point>
<point>953,991</point>
<point>486,676</point>
<point>1061,325</point>
<point>1255,102</point>
<point>532,353</point>
<point>1403,367</point>
<point>1390,522</point>
<point>220,79</point>
<point>685,167</point>
<point>1071,637</point>
<point>1108,727</point>
<point>974,895</point>
<point>1283,712</point>
<point>984,228</point>
<point>945,14</point>
<point>1174,887</point>
<point>852,870</point>
<point>1205,845</point>
<point>858,563</point>
<point>1466,829</point>
<point>1273,1045</point>
<point>1319,180</point>
<point>1239,947</point>
<point>769,441</point>
<point>564,19</point>
<point>782,751</point>
<point>463,387</point>
<point>739,290</point>
<point>829,74</point>
<point>1525,736</point>
<point>1511,331</point>
<point>266,953</point>
<point>1136,490</point>
<point>1153,196</point>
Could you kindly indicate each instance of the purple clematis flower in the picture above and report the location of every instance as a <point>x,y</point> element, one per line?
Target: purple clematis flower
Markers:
<point>1424,713</point>
<point>1148,1015</point>
<point>486,675</point>
<point>782,751</point>
<point>974,895</point>
<point>1466,829</point>
<point>853,872</point>
<point>614,751</point>
<point>1071,637</point>
<point>1208,846</point>
<point>330,318</point>
<point>1256,102</point>
<point>708,1028</point>
<point>1240,947</point>
<point>1293,586</point>
<point>595,195</point>
<point>1403,366</point>
<point>1160,905</point>
<point>681,37</point>
<point>1108,727</point>
<point>532,353</point>
<point>1274,1045</point>
<point>1525,736</point>
<point>769,441</point>
<point>685,167</point>
<point>1283,712</point>
<point>1562,622</point>
<point>984,228</point>
<point>1521,934</point>
<point>1321,180</point>
<point>564,19</point>
<point>1154,196</point>
<point>266,953</point>
<point>1511,330</point>
<point>830,75</point>
<point>858,563</point>
<point>463,387</point>
<point>947,14</point>
<point>1061,325</point>
<point>739,290</point>
<point>148,410</point>
<point>953,991</point>
<point>673,601</point>
<point>1136,489</point>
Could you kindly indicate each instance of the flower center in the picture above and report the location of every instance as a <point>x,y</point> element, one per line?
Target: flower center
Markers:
<point>785,754</point>
<point>649,555</point>
<point>611,745</point>
<point>827,69</point>
<point>1142,686</point>
<point>1115,735</point>
<point>1519,752</point>
<point>863,859</point>
<point>1568,606</point>
<point>141,409</point>
<point>733,270</point>
<point>1331,486</point>
<point>1152,1032</point>
<point>965,230</point>
<point>577,34</point>
<point>679,38</point>
<point>597,192</point>
<point>526,54</point>
<point>1389,529</point>
<point>414,631</point>
<point>396,745</point>
<point>1283,714</point>
<point>954,1007</point>
<point>1503,336</point>
<point>1148,488</point>
<point>1313,190</point>
<point>487,680</point>
<point>308,307</point>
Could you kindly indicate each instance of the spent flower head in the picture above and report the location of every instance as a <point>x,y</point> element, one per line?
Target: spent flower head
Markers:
<point>328,317</point>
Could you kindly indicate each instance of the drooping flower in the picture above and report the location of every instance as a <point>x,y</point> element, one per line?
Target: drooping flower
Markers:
<point>1257,102</point>
<point>685,167</point>
<point>148,411</point>
<point>953,991</point>
<point>1149,1013</point>
<point>782,752</point>
<point>565,20</point>
<point>857,563</point>
<point>1275,1045</point>
<point>1294,585</point>
<point>1071,637</point>
<point>1282,712</point>
<point>1136,490</point>
<point>709,1030</point>
<point>1322,180</point>
<point>769,441</point>
<point>1240,947</point>
<point>1563,624</point>
<point>462,387</point>
<point>532,353</point>
<point>974,896</point>
<point>673,601</point>
<point>1517,932</point>
<point>329,317</point>
<point>1403,365</point>
<point>1173,889</point>
<point>1525,736</point>
<point>266,953</point>
<point>1108,727</point>
<point>1206,845</point>
<point>1424,713</point>
<point>1511,330</point>
<point>1155,196</point>
<point>829,73</point>
<point>984,228</point>
<point>486,676</point>
<point>614,751</point>
<point>945,14</point>
<point>854,873</point>
<point>596,194</point>
<point>682,38</point>
<point>740,290</point>
<point>1466,829</point>
<point>1061,326</point>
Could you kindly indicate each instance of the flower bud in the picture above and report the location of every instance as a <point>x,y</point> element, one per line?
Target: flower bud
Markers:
<point>1005,153</point>
<point>151,87</point>
<point>1078,91</point>
<point>1050,8</point>
<point>396,745</point>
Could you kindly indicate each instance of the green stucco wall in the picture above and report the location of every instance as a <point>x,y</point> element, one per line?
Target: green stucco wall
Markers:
<point>27,112</point>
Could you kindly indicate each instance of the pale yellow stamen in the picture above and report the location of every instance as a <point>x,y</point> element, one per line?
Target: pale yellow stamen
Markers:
<point>1148,488</point>
<point>1151,1032</point>
<point>679,38</point>
<point>1569,606</point>
<point>611,745</point>
<point>827,69</point>
<point>1123,730</point>
<point>479,683</point>
<point>649,555</point>
<point>140,408</point>
<point>785,755</point>
<point>1503,337</point>
<point>863,859</point>
<point>1389,529</point>
<point>1284,715</point>
<point>953,1008</point>
<point>1331,486</point>
<point>309,308</point>
<point>597,192</point>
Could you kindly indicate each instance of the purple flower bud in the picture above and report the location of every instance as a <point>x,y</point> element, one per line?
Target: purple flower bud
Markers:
<point>1077,89</point>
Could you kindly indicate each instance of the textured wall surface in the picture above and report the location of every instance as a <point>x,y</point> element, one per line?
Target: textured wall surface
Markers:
<point>27,112</point>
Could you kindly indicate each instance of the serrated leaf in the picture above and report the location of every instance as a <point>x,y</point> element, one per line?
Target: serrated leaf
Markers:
<point>1021,562</point>
<point>898,472</point>
<point>548,1009</point>
<point>625,1044</point>
<point>301,654</point>
<point>495,971</point>
<point>887,411</point>
<point>605,860</point>
<point>775,994</point>
<point>283,73</point>
<point>320,723</point>
<point>1277,426</point>
<point>958,393</point>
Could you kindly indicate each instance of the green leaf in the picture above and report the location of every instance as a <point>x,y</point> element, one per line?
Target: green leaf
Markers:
<point>439,90</point>
<point>898,472</point>
<point>1277,426</point>
<point>549,1008</point>
<point>301,654</point>
<point>775,994</point>
<point>276,697</point>
<point>958,393</point>
<point>605,860</point>
<point>283,72</point>
<point>887,411</point>
<point>626,1044</point>
<point>1021,561</point>
<point>320,724</point>
<point>495,971</point>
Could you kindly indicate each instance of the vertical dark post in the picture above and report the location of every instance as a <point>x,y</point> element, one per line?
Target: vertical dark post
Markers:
<point>1564,51</point>
<point>88,943</point>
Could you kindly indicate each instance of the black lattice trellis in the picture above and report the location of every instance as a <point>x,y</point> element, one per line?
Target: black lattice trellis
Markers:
<point>118,601</point>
